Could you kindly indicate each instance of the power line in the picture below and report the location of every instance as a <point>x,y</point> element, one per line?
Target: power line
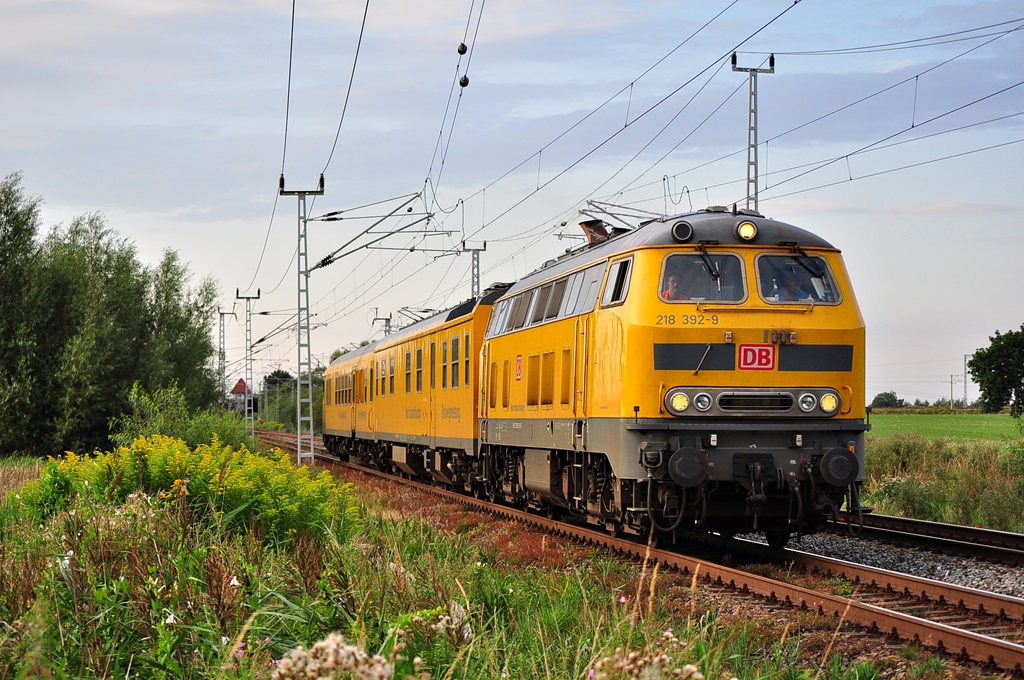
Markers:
<point>348,91</point>
<point>905,44</point>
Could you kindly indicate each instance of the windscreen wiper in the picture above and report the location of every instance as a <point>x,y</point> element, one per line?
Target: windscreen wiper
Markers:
<point>708,264</point>
<point>808,263</point>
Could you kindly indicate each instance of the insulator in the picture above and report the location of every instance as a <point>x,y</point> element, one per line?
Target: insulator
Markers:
<point>464,81</point>
<point>462,48</point>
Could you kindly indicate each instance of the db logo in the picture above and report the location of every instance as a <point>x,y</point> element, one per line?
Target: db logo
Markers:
<point>757,357</point>
<point>519,367</point>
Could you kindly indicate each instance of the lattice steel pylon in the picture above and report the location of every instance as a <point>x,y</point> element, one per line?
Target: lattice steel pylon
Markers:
<point>752,127</point>
<point>475,274</point>
<point>248,358</point>
<point>304,391</point>
<point>221,358</point>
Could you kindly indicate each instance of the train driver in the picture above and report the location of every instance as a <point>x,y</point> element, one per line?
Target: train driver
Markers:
<point>672,291</point>
<point>791,290</point>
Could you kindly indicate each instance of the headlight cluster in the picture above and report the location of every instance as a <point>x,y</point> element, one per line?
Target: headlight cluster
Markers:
<point>827,402</point>
<point>688,400</point>
<point>677,401</point>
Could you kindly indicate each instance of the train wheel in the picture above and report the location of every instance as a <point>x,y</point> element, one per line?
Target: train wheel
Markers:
<point>777,538</point>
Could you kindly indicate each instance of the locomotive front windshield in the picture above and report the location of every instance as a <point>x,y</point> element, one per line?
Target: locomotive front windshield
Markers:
<point>703,276</point>
<point>796,278</point>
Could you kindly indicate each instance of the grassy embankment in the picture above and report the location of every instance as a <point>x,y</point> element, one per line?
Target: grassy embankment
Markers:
<point>157,561</point>
<point>163,561</point>
<point>960,468</point>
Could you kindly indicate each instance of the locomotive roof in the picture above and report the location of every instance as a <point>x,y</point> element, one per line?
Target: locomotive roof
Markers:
<point>458,311</point>
<point>714,225</point>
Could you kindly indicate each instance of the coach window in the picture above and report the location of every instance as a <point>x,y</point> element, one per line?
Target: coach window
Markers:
<point>590,283</point>
<point>465,353</point>
<point>392,375</point>
<point>572,293</point>
<point>444,364</point>
<point>617,286</point>
<point>555,301</point>
<point>499,313</point>
<point>408,372</point>
<point>702,276</point>
<point>542,303</point>
<point>373,384</point>
<point>520,310</point>
<point>419,370</point>
<point>383,378</point>
<point>514,305</point>
<point>433,364</point>
<point>455,363</point>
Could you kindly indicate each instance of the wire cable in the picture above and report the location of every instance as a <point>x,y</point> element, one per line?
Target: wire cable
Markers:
<point>348,91</point>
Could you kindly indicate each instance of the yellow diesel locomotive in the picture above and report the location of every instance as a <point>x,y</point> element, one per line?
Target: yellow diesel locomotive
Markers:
<point>700,372</point>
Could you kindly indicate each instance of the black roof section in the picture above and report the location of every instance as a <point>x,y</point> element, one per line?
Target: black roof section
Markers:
<point>714,225</point>
<point>488,297</point>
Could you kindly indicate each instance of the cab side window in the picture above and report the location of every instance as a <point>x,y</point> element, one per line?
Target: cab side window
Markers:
<point>617,285</point>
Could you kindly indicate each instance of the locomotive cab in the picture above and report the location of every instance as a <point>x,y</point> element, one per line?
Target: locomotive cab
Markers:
<point>740,379</point>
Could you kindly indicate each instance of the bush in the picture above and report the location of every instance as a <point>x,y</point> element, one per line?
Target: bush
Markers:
<point>165,412</point>
<point>234,488</point>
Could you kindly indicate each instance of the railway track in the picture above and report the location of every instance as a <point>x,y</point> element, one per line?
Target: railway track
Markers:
<point>967,624</point>
<point>996,546</point>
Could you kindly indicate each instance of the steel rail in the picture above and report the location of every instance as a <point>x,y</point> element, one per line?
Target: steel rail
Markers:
<point>999,546</point>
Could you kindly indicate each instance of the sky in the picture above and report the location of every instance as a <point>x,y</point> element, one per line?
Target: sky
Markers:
<point>892,129</point>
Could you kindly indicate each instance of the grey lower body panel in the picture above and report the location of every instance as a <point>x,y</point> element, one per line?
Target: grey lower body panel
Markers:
<point>788,443</point>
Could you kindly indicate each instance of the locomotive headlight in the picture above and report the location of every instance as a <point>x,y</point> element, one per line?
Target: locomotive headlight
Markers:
<point>702,401</point>
<point>829,402</point>
<point>677,401</point>
<point>807,402</point>
<point>746,231</point>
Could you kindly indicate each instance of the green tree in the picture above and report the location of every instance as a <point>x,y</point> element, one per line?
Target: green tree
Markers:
<point>999,372</point>
<point>82,320</point>
<point>277,377</point>
<point>92,328</point>
<point>182,347</point>
<point>19,224</point>
<point>887,400</point>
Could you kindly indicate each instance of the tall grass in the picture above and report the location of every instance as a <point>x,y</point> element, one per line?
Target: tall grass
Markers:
<point>975,484</point>
<point>161,584</point>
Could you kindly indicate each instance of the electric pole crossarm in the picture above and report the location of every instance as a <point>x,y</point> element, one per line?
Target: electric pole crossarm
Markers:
<point>334,255</point>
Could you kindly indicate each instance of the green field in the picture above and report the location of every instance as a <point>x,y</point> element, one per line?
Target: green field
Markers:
<point>957,427</point>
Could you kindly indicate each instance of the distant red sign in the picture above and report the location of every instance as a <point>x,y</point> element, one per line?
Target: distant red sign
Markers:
<point>757,357</point>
